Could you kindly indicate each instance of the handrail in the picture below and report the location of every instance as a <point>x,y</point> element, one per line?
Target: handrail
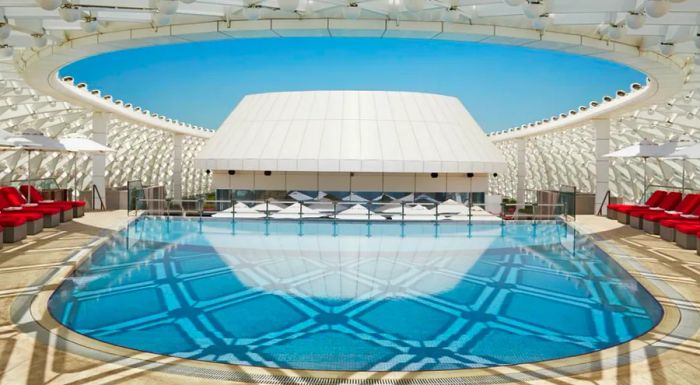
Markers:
<point>602,204</point>
<point>533,216</point>
<point>96,191</point>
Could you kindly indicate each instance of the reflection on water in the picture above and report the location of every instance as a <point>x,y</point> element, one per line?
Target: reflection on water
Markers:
<point>354,296</point>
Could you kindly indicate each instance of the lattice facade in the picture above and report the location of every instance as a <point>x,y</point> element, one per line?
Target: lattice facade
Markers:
<point>142,152</point>
<point>568,157</point>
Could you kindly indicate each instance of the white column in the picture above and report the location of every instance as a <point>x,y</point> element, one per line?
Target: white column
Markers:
<point>521,158</point>
<point>177,166</point>
<point>100,130</point>
<point>602,165</point>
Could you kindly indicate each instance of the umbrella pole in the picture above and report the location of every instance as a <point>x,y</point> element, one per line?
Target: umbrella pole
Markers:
<point>644,192</point>
<point>29,174</point>
<point>683,178</point>
<point>75,176</point>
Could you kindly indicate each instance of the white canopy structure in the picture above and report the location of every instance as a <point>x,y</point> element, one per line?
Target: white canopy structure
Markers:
<point>351,131</point>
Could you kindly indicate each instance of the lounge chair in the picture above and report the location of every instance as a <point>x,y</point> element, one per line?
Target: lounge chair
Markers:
<point>687,235</point>
<point>667,227</point>
<point>36,196</point>
<point>14,228</point>
<point>651,221</point>
<point>51,215</point>
<point>621,211</point>
<point>17,200</point>
<point>669,203</point>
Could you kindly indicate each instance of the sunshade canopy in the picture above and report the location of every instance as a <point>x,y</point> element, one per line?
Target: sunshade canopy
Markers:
<point>4,140</point>
<point>35,141</point>
<point>688,152</point>
<point>348,131</point>
<point>645,149</point>
<point>83,144</point>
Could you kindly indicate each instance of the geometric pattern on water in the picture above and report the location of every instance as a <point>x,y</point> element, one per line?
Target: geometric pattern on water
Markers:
<point>354,298</point>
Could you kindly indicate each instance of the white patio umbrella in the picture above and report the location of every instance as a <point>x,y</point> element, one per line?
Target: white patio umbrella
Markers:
<point>359,213</point>
<point>5,143</point>
<point>688,151</point>
<point>352,197</point>
<point>299,196</point>
<point>413,213</point>
<point>292,212</point>
<point>267,207</point>
<point>645,150</point>
<point>242,211</point>
<point>33,140</point>
<point>78,143</point>
<point>451,206</point>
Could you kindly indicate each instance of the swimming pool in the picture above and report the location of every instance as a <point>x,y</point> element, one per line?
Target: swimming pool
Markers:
<point>354,296</point>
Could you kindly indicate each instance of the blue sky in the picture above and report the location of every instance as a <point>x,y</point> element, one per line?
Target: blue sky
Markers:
<point>502,86</point>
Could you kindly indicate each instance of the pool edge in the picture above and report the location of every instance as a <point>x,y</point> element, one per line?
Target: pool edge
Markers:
<point>74,342</point>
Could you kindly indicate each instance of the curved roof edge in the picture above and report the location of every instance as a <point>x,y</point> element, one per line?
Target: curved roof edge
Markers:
<point>40,67</point>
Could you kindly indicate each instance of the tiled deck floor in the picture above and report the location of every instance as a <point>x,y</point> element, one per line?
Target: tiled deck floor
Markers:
<point>25,360</point>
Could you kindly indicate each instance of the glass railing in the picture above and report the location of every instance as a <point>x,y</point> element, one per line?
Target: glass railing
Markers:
<point>349,210</point>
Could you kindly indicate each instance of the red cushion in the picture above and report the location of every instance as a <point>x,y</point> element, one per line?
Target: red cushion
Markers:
<point>630,208</point>
<point>671,201</point>
<point>688,228</point>
<point>656,216</point>
<point>687,204</point>
<point>13,196</point>
<point>656,198</point>
<point>28,215</point>
<point>4,202</point>
<point>12,221</point>
<point>643,212</point>
<point>620,207</point>
<point>672,223</point>
<point>44,210</point>
<point>31,193</point>
<point>63,206</point>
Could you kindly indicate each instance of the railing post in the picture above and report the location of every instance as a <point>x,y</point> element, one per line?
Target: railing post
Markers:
<point>503,214</point>
<point>335,211</point>
<point>436,213</point>
<point>301,207</point>
<point>267,208</point>
<point>233,209</point>
<point>403,212</point>
<point>470,210</point>
<point>368,214</point>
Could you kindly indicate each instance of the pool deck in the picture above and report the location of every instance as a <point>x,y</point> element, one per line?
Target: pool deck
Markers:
<point>30,355</point>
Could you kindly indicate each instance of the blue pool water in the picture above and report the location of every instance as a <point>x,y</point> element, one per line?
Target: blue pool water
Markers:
<point>354,296</point>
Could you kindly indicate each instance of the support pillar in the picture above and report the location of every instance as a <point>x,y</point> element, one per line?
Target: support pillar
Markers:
<point>521,158</point>
<point>177,167</point>
<point>601,128</point>
<point>100,131</point>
